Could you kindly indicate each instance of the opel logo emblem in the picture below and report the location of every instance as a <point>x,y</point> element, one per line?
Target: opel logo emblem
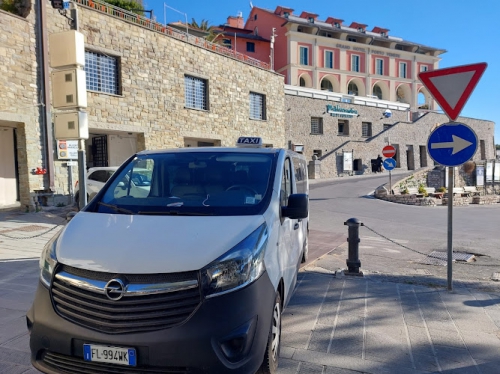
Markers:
<point>114,289</point>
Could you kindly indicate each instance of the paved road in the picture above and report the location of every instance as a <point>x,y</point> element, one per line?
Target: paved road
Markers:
<point>420,228</point>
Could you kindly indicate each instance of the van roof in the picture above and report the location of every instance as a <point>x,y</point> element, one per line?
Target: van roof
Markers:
<point>212,149</point>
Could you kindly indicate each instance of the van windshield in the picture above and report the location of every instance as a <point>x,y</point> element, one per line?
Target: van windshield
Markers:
<point>197,183</point>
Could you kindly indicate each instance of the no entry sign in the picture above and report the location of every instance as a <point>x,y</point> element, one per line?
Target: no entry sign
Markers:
<point>389,151</point>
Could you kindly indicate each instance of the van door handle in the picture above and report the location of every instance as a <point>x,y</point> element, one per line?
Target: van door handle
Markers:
<point>296,226</point>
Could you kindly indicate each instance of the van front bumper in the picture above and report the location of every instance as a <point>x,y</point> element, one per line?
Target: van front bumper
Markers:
<point>226,334</point>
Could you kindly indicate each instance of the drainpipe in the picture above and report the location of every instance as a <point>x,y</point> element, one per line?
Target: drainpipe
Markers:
<point>43,56</point>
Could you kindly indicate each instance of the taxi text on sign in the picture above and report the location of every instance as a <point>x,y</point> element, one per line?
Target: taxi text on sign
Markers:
<point>452,87</point>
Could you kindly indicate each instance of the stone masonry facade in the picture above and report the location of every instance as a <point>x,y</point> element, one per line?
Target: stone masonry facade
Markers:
<point>151,102</point>
<point>409,137</point>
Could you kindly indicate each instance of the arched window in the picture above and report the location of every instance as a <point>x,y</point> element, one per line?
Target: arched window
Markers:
<point>352,89</point>
<point>421,101</point>
<point>326,85</point>
<point>377,91</point>
<point>302,82</point>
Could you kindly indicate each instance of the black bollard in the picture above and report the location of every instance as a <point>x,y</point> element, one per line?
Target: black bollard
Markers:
<point>353,262</point>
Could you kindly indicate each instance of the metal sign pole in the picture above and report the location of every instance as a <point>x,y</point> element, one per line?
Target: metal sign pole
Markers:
<point>82,174</point>
<point>451,178</point>
<point>390,183</point>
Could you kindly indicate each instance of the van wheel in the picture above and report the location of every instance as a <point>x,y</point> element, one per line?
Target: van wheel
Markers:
<point>270,363</point>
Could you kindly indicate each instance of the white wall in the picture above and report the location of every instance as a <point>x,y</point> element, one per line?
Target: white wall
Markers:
<point>8,194</point>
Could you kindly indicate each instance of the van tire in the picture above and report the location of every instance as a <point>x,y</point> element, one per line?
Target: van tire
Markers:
<point>271,356</point>
<point>305,251</point>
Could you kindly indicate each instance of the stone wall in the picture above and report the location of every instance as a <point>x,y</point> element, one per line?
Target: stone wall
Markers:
<point>404,134</point>
<point>151,102</point>
<point>19,98</point>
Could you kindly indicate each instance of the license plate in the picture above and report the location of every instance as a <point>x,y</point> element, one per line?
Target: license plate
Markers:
<point>110,355</point>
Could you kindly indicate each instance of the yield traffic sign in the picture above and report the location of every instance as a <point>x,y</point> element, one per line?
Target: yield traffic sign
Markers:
<point>452,144</point>
<point>452,87</point>
<point>389,164</point>
<point>388,151</point>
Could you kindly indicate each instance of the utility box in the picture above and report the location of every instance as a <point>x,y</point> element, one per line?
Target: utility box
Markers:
<point>69,89</point>
<point>71,125</point>
<point>66,49</point>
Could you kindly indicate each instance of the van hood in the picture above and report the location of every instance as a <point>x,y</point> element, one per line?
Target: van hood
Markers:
<point>139,244</point>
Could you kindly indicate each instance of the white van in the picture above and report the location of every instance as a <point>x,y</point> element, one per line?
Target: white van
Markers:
<point>191,277</point>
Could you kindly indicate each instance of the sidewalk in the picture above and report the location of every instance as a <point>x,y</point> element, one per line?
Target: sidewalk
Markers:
<point>334,324</point>
<point>23,235</point>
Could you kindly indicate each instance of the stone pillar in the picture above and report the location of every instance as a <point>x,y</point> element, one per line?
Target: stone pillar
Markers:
<point>314,169</point>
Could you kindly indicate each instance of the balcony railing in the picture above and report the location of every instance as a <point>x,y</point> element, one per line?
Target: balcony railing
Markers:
<point>145,22</point>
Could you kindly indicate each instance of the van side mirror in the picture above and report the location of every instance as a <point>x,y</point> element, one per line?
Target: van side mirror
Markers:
<point>298,206</point>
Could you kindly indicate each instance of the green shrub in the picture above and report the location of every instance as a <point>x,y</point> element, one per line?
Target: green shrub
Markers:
<point>441,189</point>
<point>421,190</point>
<point>9,6</point>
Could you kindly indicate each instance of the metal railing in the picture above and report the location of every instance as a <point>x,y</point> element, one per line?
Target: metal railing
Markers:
<point>145,22</point>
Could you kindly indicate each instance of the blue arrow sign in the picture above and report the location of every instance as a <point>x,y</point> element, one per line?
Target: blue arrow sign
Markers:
<point>389,164</point>
<point>452,144</point>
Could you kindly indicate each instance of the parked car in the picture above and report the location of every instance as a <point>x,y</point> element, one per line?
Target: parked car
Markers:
<point>98,176</point>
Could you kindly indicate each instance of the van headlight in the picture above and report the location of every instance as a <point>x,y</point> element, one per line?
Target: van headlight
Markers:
<point>239,267</point>
<point>48,261</point>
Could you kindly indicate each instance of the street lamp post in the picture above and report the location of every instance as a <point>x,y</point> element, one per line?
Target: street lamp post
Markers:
<point>165,6</point>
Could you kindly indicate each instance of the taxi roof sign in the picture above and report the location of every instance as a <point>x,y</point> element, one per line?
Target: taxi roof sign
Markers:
<point>249,141</point>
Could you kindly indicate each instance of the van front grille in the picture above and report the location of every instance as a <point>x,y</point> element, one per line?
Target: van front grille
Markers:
<point>144,312</point>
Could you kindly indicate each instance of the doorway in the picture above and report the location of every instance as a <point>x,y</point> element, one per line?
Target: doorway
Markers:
<point>9,185</point>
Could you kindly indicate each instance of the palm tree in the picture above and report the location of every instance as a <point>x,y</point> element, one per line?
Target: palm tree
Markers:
<point>204,26</point>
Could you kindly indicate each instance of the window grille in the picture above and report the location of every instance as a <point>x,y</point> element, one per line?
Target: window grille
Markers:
<point>316,125</point>
<point>257,106</point>
<point>195,91</point>
<point>101,73</point>
<point>366,129</point>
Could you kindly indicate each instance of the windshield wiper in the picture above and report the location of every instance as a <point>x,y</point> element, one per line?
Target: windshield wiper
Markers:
<point>116,208</point>
<point>175,213</point>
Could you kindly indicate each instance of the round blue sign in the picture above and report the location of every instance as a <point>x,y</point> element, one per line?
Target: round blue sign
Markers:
<point>452,144</point>
<point>389,164</point>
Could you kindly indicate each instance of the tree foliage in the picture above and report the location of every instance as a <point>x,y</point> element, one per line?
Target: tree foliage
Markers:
<point>18,7</point>
<point>211,30</point>
<point>129,5</point>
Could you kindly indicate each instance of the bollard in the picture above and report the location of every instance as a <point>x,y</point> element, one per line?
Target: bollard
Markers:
<point>353,263</point>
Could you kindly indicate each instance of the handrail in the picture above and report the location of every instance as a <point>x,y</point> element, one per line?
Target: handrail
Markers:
<point>145,22</point>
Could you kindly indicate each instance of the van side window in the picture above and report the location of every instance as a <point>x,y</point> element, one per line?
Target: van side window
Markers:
<point>286,183</point>
<point>300,174</point>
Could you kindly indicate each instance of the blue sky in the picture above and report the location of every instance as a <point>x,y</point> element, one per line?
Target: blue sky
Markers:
<point>467,29</point>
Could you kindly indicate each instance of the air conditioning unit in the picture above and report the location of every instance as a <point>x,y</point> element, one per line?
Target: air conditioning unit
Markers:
<point>69,89</point>
<point>66,49</point>
<point>71,125</point>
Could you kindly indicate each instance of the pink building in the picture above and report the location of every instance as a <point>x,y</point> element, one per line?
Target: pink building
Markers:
<point>351,60</point>
<point>249,42</point>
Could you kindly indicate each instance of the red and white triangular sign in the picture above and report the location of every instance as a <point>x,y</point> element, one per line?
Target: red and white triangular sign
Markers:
<point>452,87</point>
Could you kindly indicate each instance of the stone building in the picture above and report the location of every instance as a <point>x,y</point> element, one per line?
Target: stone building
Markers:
<point>327,125</point>
<point>148,86</point>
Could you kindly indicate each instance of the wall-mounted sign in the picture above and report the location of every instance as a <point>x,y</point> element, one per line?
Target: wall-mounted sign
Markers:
<point>480,175</point>
<point>347,156</point>
<point>67,149</point>
<point>497,172</point>
<point>338,111</point>
<point>489,171</point>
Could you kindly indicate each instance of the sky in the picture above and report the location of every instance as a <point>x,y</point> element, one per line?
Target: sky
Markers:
<point>468,30</point>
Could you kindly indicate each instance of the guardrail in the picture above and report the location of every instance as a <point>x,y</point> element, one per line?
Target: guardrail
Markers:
<point>145,22</point>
